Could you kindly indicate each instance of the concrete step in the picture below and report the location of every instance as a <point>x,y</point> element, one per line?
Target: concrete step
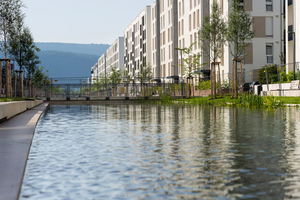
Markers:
<point>295,85</point>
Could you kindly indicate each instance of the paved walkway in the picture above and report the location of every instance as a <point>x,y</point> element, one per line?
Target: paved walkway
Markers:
<point>15,140</point>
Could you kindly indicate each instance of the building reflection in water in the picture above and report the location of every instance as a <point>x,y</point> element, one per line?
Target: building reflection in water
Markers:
<point>201,152</point>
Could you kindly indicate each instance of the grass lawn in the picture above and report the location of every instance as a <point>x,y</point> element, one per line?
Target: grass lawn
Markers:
<point>285,100</point>
<point>289,100</point>
<point>12,99</point>
<point>242,101</point>
<point>206,100</point>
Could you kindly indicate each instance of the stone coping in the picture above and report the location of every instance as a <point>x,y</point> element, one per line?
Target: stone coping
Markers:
<point>10,109</point>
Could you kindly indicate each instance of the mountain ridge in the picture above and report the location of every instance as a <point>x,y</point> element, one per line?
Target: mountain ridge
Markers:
<point>93,49</point>
<point>69,59</point>
<point>67,64</point>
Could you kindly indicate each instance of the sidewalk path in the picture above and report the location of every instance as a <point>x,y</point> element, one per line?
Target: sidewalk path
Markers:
<point>15,140</point>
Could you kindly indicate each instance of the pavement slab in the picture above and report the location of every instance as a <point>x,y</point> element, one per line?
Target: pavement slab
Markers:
<point>16,136</point>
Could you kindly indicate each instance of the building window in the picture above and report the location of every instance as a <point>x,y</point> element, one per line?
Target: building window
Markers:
<point>269,26</point>
<point>269,5</point>
<point>290,2</point>
<point>241,4</point>
<point>190,22</point>
<point>290,34</point>
<point>269,53</point>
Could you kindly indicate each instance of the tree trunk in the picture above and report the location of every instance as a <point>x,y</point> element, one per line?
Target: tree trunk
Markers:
<point>193,88</point>
<point>30,89</point>
<point>8,80</point>
<point>21,84</point>
<point>242,78</point>
<point>187,88</point>
<point>219,80</point>
<point>15,87</point>
<point>236,81</point>
<point>0,78</point>
<point>211,81</point>
<point>214,77</point>
<point>233,80</point>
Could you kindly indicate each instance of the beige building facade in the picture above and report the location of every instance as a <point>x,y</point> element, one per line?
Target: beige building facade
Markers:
<point>156,42</point>
<point>265,48</point>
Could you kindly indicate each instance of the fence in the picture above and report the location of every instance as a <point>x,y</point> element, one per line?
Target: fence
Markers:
<point>124,87</point>
<point>112,90</point>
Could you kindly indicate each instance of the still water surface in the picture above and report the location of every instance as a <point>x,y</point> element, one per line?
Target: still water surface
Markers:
<point>157,152</point>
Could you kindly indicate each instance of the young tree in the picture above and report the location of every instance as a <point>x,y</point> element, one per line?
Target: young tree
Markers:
<point>192,64</point>
<point>21,47</point>
<point>145,75</point>
<point>239,35</point>
<point>10,10</point>
<point>115,77</point>
<point>212,38</point>
<point>39,76</point>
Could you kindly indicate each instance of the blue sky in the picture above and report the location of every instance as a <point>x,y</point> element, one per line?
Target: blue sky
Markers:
<point>80,21</point>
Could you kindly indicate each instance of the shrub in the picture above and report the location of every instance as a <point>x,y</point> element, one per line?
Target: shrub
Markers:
<point>272,74</point>
<point>204,85</point>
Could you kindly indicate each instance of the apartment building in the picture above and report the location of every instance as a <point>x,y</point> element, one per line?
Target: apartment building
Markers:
<point>112,58</point>
<point>292,23</point>
<point>155,42</point>
<point>164,39</point>
<point>137,37</point>
<point>115,55</point>
<point>265,48</point>
<point>94,73</point>
<point>191,15</point>
<point>102,65</point>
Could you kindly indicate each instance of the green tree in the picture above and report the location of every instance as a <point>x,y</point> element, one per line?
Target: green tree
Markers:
<point>115,77</point>
<point>21,48</point>
<point>239,34</point>
<point>10,10</point>
<point>10,15</point>
<point>213,37</point>
<point>32,60</point>
<point>272,74</point>
<point>40,77</point>
<point>191,64</point>
<point>145,75</point>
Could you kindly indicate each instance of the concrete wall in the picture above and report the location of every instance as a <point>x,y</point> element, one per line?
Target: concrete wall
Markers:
<point>10,109</point>
<point>284,86</point>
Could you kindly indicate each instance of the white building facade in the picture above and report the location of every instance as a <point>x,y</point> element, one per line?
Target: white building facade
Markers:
<point>155,42</point>
<point>137,37</point>
<point>94,73</point>
<point>292,32</point>
<point>115,55</point>
<point>102,65</point>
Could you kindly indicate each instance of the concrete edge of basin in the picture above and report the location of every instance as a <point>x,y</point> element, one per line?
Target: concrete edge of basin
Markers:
<point>35,121</point>
<point>16,136</point>
<point>11,109</point>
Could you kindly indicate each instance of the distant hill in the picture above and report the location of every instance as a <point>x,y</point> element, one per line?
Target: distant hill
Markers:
<point>67,64</point>
<point>68,59</point>
<point>92,49</point>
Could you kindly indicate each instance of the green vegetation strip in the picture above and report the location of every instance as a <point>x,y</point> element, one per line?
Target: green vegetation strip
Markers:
<point>244,100</point>
<point>14,99</point>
